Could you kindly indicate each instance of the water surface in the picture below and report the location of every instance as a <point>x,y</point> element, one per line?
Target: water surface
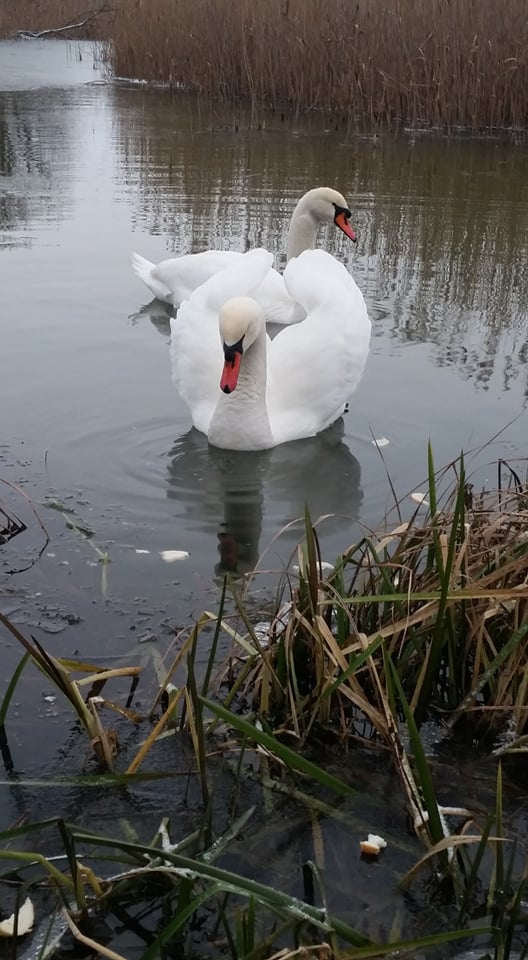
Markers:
<point>90,171</point>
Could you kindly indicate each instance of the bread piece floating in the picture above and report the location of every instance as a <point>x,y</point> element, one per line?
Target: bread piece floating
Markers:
<point>372,845</point>
<point>26,919</point>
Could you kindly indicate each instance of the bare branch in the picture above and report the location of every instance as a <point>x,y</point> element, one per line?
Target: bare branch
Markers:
<point>32,35</point>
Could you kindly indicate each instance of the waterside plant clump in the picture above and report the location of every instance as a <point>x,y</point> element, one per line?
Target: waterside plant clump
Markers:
<point>440,597</point>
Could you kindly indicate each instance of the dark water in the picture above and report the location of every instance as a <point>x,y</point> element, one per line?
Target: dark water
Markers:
<point>89,417</point>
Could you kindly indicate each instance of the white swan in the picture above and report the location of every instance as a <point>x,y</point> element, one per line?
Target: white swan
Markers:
<point>174,280</point>
<point>247,392</point>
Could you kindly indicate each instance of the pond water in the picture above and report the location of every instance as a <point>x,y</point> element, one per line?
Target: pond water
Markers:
<point>91,423</point>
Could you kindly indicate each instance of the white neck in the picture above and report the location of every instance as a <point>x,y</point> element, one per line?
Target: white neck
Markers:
<point>303,230</point>
<point>240,420</point>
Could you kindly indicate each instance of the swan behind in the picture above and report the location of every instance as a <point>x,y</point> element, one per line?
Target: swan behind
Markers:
<point>175,279</point>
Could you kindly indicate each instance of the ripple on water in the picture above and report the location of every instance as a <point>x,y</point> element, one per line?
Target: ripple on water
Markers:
<point>141,479</point>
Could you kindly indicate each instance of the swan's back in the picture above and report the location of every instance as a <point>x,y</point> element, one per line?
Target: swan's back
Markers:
<point>315,277</point>
<point>315,366</point>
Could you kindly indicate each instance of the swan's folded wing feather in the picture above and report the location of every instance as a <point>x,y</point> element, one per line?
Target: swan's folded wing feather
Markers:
<point>183,275</point>
<point>196,358</point>
<point>278,305</point>
<point>315,276</point>
<point>314,367</point>
<point>241,279</point>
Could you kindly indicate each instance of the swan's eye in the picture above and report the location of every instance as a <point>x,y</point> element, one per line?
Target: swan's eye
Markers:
<point>344,210</point>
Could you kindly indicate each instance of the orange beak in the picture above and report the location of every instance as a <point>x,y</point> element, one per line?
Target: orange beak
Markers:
<point>341,221</point>
<point>230,373</point>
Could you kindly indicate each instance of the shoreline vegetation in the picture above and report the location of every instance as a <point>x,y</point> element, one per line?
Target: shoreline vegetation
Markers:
<point>425,622</point>
<point>449,64</point>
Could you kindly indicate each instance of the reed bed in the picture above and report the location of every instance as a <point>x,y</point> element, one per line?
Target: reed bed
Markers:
<point>445,63</point>
<point>441,63</point>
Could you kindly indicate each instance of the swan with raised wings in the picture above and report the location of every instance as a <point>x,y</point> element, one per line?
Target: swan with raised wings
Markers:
<point>175,280</point>
<point>248,392</point>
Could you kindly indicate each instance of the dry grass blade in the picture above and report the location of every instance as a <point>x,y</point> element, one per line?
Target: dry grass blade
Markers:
<point>10,525</point>
<point>93,945</point>
<point>22,493</point>
<point>446,844</point>
<point>104,742</point>
<point>163,721</point>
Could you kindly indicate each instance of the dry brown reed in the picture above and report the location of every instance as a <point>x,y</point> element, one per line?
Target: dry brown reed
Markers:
<point>440,62</point>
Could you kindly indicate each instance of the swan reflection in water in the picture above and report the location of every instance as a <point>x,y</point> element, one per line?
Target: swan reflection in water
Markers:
<point>235,497</point>
<point>157,312</point>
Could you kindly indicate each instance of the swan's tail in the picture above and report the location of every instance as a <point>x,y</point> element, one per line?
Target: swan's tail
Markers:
<point>141,267</point>
<point>146,271</point>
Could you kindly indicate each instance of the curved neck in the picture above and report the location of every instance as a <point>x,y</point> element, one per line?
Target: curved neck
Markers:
<point>251,386</point>
<point>303,231</point>
<point>240,420</point>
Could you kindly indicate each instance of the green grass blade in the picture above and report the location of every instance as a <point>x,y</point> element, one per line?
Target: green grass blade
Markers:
<point>212,652</point>
<point>230,834</point>
<point>268,897</point>
<point>496,893</point>
<point>69,849</point>
<point>433,502</point>
<point>424,779</point>
<point>507,650</point>
<point>312,567</point>
<point>153,951</point>
<point>96,781</point>
<point>407,947</point>
<point>197,719</point>
<point>443,626</point>
<point>355,663</point>
<point>8,696</point>
<point>472,878</point>
<point>293,760</point>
